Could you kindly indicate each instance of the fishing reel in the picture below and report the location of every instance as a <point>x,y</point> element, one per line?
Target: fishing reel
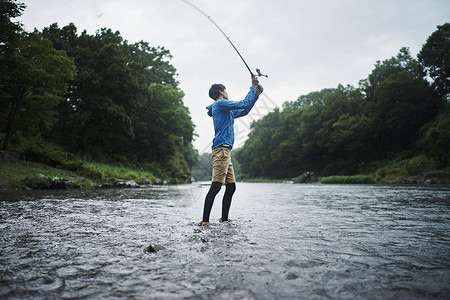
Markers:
<point>258,71</point>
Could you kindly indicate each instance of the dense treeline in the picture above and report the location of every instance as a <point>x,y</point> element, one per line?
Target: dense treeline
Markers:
<point>97,96</point>
<point>400,110</point>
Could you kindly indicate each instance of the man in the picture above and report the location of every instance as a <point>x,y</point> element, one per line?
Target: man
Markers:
<point>223,112</point>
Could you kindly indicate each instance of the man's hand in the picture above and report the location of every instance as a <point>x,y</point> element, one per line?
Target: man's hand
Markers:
<point>255,81</point>
<point>259,90</point>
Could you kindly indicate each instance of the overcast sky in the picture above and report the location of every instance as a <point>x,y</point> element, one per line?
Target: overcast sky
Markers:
<point>303,45</point>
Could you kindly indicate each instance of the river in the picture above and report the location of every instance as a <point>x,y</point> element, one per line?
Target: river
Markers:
<point>284,241</point>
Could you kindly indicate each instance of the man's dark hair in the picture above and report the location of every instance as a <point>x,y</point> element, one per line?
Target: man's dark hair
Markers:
<point>214,91</point>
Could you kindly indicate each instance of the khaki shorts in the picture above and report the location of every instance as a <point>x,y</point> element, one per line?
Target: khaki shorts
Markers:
<point>222,167</point>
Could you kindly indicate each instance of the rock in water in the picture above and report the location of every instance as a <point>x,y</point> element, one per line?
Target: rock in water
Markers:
<point>119,183</point>
<point>307,177</point>
<point>131,184</point>
<point>153,249</point>
<point>150,249</point>
<point>291,276</point>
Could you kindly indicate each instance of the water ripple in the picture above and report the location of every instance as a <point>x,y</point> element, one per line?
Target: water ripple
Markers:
<point>284,241</point>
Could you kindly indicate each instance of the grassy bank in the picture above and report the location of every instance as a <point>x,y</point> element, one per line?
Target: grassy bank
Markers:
<point>104,172</point>
<point>418,169</point>
<point>408,170</point>
<point>355,179</point>
<point>415,170</point>
<point>16,172</point>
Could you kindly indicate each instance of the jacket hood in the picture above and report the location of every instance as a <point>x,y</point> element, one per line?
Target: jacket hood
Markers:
<point>209,108</point>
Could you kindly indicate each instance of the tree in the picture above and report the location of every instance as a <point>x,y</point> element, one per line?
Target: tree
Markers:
<point>9,30</point>
<point>10,34</point>
<point>111,88</point>
<point>399,102</point>
<point>402,62</point>
<point>124,104</point>
<point>35,81</point>
<point>310,134</point>
<point>435,58</point>
<point>165,126</point>
<point>404,104</point>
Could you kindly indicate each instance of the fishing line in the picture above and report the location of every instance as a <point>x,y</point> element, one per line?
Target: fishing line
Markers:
<point>258,72</point>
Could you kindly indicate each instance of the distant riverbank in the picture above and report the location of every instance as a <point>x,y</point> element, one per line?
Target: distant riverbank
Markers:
<point>18,173</point>
<point>415,170</point>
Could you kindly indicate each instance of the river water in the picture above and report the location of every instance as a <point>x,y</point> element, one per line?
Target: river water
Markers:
<point>284,241</point>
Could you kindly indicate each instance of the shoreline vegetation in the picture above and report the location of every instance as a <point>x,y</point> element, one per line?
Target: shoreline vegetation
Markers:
<point>19,173</point>
<point>416,170</point>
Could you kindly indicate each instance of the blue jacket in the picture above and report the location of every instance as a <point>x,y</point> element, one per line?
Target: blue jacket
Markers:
<point>224,112</point>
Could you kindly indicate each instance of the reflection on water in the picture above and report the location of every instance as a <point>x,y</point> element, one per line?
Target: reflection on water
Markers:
<point>284,241</point>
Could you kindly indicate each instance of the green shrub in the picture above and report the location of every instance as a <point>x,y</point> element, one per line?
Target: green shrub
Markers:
<point>388,174</point>
<point>37,150</point>
<point>91,171</point>
<point>73,165</point>
<point>354,179</point>
<point>417,165</point>
<point>131,175</point>
<point>105,172</point>
<point>435,136</point>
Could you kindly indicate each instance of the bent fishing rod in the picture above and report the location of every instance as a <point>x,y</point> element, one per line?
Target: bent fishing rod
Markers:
<point>258,72</point>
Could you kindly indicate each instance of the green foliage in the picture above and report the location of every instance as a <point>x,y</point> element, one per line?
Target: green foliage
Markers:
<point>86,174</point>
<point>418,165</point>
<point>124,104</point>
<point>401,169</point>
<point>402,62</point>
<point>165,125</point>
<point>39,181</point>
<point>355,179</point>
<point>390,174</point>
<point>38,149</point>
<point>105,172</point>
<point>34,80</point>
<point>93,171</point>
<point>9,30</point>
<point>307,135</point>
<point>435,59</point>
<point>341,131</point>
<point>401,107</point>
<point>435,138</point>
<point>15,171</point>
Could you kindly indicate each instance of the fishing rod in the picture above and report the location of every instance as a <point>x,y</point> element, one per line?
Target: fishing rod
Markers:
<point>258,72</point>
